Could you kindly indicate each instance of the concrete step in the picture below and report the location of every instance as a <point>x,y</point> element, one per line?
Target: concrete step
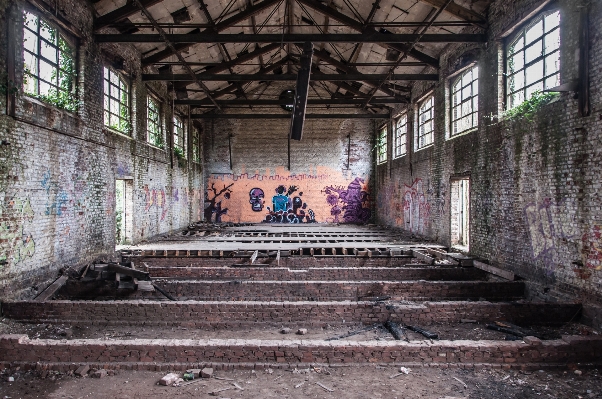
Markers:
<point>181,354</point>
<point>222,315</point>
<point>320,273</point>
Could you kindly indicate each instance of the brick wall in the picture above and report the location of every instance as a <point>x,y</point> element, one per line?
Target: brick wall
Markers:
<point>534,196</point>
<point>57,180</point>
<point>330,167</point>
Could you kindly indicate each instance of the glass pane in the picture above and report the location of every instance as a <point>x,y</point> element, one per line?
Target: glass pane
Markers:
<point>552,63</point>
<point>47,32</point>
<point>30,41</point>
<point>534,32</point>
<point>31,21</point>
<point>48,51</point>
<point>44,88</point>
<point>47,71</point>
<point>552,81</point>
<point>106,88</point>
<point>534,72</point>
<point>533,51</point>
<point>516,63</point>
<point>516,81</point>
<point>475,88</point>
<point>552,41</point>
<point>113,121</point>
<point>106,104</point>
<point>466,92</point>
<point>31,63</point>
<point>114,107</point>
<point>535,88</point>
<point>30,85</point>
<point>552,21</point>
<point>113,78</point>
<point>114,91</point>
<point>106,73</point>
<point>519,44</point>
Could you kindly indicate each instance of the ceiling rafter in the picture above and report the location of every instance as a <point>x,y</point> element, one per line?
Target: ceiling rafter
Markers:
<point>121,13</point>
<point>460,12</point>
<point>316,77</point>
<point>359,27</point>
<point>310,101</point>
<point>219,27</point>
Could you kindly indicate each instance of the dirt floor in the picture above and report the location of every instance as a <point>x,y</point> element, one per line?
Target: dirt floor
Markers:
<point>345,382</point>
<point>459,331</point>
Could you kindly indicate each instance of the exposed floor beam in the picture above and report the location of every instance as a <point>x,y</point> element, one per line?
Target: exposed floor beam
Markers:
<point>380,38</point>
<point>288,116</point>
<point>327,77</point>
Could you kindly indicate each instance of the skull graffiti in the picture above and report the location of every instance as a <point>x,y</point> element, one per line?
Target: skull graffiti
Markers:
<point>256,199</point>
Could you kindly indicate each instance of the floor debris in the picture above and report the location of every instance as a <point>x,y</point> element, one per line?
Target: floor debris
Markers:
<point>324,387</point>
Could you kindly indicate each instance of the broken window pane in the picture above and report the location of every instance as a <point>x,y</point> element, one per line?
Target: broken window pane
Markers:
<point>465,93</point>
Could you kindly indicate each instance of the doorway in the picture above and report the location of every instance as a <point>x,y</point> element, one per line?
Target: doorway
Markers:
<point>124,209</point>
<point>460,213</point>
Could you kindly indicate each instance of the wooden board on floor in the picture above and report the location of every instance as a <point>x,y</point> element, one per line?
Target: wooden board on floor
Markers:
<point>51,289</point>
<point>494,270</point>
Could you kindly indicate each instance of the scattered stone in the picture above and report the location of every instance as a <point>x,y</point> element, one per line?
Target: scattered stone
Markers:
<point>82,370</point>
<point>195,372</point>
<point>405,370</point>
<point>285,330</point>
<point>468,321</point>
<point>578,372</point>
<point>11,379</point>
<point>99,373</point>
<point>168,379</point>
<point>302,331</point>
<point>207,372</point>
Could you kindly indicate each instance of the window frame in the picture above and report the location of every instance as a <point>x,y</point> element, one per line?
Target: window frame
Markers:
<point>398,143</point>
<point>381,144</point>
<point>175,127</point>
<point>127,120</point>
<point>474,98</point>
<point>513,38</point>
<point>69,101</point>
<point>160,140</point>
<point>418,136</point>
<point>196,144</point>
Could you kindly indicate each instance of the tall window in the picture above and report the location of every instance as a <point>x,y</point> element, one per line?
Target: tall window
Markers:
<point>178,137</point>
<point>534,59</point>
<point>401,133</point>
<point>196,145</point>
<point>153,122</point>
<point>49,62</point>
<point>465,98</point>
<point>381,145</point>
<point>116,101</point>
<point>426,116</point>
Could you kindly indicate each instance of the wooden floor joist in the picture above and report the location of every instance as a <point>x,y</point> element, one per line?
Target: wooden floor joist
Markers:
<point>51,289</point>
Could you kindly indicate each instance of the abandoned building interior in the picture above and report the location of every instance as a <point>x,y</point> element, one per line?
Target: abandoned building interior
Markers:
<point>395,182</point>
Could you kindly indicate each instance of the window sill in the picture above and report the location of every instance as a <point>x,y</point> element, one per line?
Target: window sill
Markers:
<point>400,157</point>
<point>464,133</point>
<point>117,132</point>
<point>151,145</point>
<point>424,148</point>
<point>381,163</point>
<point>34,100</point>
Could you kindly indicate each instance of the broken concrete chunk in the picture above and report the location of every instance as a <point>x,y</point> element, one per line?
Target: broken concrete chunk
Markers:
<point>11,379</point>
<point>302,331</point>
<point>207,372</point>
<point>82,370</point>
<point>168,379</point>
<point>99,373</point>
<point>285,330</point>
<point>195,372</point>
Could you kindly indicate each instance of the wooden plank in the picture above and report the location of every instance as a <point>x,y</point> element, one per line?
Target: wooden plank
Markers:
<point>508,275</point>
<point>51,289</point>
<point>127,271</point>
<point>423,257</point>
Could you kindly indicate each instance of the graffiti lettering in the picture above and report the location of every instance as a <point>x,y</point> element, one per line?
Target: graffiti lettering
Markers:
<point>416,209</point>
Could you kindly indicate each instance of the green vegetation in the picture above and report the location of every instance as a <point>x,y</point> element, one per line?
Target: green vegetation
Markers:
<point>529,108</point>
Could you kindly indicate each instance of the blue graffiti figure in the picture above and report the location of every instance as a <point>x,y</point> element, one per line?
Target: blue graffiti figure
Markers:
<point>281,201</point>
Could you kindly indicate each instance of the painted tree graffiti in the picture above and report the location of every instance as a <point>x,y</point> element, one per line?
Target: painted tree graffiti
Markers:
<point>353,202</point>
<point>15,244</point>
<point>215,206</point>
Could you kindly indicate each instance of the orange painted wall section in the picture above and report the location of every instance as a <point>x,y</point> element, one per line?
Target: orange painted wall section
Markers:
<point>327,196</point>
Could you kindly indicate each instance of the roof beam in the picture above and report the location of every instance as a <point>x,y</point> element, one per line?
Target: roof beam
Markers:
<point>130,8</point>
<point>359,27</point>
<point>458,11</point>
<point>325,77</point>
<point>375,37</point>
<point>211,115</point>
<point>220,26</point>
<point>311,101</point>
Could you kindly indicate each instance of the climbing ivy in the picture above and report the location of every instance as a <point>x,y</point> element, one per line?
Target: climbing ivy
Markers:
<point>529,108</point>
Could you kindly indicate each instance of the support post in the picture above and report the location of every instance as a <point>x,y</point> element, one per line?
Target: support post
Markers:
<point>302,91</point>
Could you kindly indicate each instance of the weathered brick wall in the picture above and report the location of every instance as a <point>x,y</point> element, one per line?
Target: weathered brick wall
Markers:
<point>534,198</point>
<point>57,180</point>
<point>331,175</point>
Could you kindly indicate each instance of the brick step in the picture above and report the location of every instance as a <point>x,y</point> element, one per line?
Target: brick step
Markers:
<point>321,273</point>
<point>164,354</point>
<point>339,290</point>
<point>237,314</point>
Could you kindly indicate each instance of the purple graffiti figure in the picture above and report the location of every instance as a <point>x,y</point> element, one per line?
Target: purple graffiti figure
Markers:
<point>354,199</point>
<point>256,196</point>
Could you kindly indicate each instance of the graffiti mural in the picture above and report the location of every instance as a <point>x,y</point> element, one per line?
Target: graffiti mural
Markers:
<point>156,198</point>
<point>416,208</point>
<point>15,244</point>
<point>256,196</point>
<point>215,206</point>
<point>280,196</point>
<point>288,210</point>
<point>352,202</point>
<point>547,222</point>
